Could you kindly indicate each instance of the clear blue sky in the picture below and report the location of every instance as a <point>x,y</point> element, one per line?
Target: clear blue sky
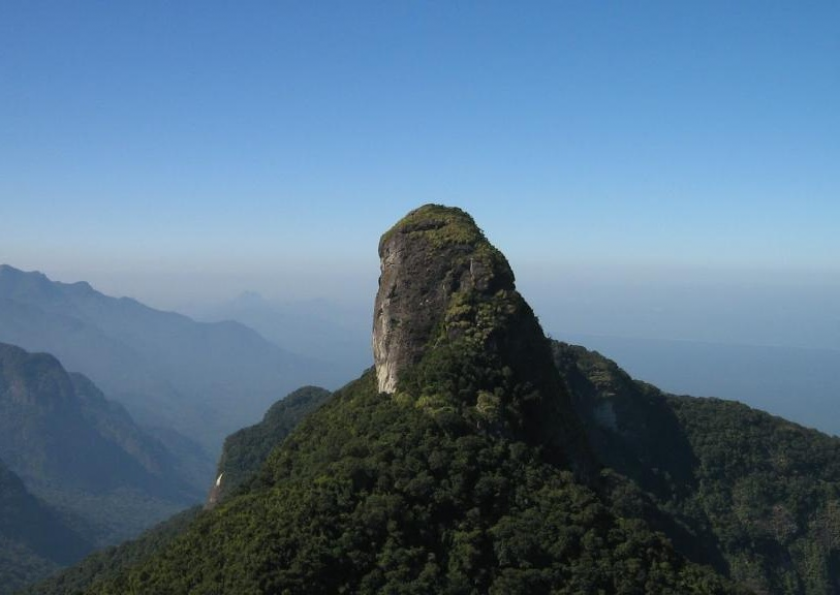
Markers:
<point>180,151</point>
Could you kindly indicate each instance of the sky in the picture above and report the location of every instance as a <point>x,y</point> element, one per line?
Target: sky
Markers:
<point>650,168</point>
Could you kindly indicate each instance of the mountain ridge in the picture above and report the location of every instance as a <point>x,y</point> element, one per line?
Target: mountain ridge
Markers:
<point>81,453</point>
<point>758,493</point>
<point>169,371</point>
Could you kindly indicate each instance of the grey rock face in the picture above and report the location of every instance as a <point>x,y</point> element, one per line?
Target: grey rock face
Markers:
<point>431,254</point>
<point>447,293</point>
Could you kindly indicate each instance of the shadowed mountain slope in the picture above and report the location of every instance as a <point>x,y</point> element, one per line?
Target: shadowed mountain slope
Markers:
<point>246,451</point>
<point>202,380</point>
<point>82,453</point>
<point>34,539</point>
<point>758,495</point>
<point>753,496</point>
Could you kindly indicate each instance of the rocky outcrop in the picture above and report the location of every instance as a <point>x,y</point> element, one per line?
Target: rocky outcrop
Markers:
<point>432,254</point>
<point>452,335</point>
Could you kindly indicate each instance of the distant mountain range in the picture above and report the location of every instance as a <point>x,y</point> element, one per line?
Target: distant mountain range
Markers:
<point>81,453</point>
<point>338,335</point>
<point>799,383</point>
<point>185,379</point>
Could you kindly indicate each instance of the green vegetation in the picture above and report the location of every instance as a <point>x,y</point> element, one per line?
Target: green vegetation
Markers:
<point>378,494</point>
<point>486,362</point>
<point>244,454</point>
<point>474,477</point>
<point>441,225</point>
<point>245,451</point>
<point>372,496</point>
<point>759,497</point>
<point>479,474</point>
<point>770,491</point>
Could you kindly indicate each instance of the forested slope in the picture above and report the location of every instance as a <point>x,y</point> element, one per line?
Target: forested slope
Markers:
<point>760,495</point>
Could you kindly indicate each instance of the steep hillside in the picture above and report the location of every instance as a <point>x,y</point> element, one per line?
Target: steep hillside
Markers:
<point>468,473</point>
<point>797,383</point>
<point>453,336</point>
<point>202,380</point>
<point>244,454</point>
<point>34,539</point>
<point>759,495</point>
<point>372,496</point>
<point>81,453</point>
<point>245,451</point>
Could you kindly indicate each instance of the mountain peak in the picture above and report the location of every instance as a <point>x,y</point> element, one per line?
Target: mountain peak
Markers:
<point>431,256</point>
<point>452,335</point>
<point>249,298</point>
<point>12,279</point>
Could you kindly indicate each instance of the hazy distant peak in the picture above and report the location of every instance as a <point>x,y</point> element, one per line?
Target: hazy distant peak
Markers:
<point>12,279</point>
<point>249,298</point>
<point>81,286</point>
<point>10,273</point>
<point>7,269</point>
<point>35,286</point>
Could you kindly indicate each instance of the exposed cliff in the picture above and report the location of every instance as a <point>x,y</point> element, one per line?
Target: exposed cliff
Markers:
<point>433,257</point>
<point>452,335</point>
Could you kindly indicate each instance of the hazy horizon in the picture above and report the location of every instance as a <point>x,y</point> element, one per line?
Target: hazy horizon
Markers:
<point>697,305</point>
<point>650,169</point>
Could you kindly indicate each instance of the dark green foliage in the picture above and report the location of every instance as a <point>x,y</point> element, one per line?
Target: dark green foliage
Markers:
<point>759,496</point>
<point>629,424</point>
<point>246,450</point>
<point>476,476</point>
<point>771,492</point>
<point>372,496</point>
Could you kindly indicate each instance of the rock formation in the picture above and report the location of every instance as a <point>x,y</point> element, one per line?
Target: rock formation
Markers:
<point>452,334</point>
<point>430,255</point>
